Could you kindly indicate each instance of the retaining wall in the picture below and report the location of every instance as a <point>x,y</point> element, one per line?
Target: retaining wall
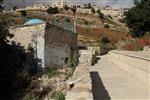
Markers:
<point>136,64</point>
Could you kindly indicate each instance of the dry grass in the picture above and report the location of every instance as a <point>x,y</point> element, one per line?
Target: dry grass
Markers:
<point>85,34</point>
<point>12,18</point>
<point>94,34</point>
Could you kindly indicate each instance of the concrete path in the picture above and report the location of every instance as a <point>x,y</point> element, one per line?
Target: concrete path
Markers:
<point>81,81</point>
<point>111,83</point>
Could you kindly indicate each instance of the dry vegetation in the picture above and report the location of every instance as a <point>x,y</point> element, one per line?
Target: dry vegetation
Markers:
<point>12,18</point>
<point>93,26</point>
<point>93,34</point>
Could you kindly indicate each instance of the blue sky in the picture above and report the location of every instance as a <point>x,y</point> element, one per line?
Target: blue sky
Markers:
<point>113,3</point>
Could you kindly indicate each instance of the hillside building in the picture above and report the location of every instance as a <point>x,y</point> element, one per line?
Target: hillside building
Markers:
<point>61,3</point>
<point>53,45</point>
<point>114,13</point>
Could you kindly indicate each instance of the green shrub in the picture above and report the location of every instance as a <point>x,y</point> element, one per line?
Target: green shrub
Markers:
<point>66,7</point>
<point>105,40</point>
<point>93,10</point>
<point>57,95</point>
<point>51,72</point>
<point>68,20</point>
<point>94,58</point>
<point>100,14</point>
<point>71,63</point>
<point>23,13</point>
<point>60,96</point>
<point>52,10</point>
<point>106,26</point>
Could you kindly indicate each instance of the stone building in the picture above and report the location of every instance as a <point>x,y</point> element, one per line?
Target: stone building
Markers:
<point>114,13</point>
<point>37,7</point>
<point>61,3</point>
<point>84,10</point>
<point>53,45</point>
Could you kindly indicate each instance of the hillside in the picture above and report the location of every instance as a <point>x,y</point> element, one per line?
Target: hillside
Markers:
<point>89,27</point>
<point>92,35</point>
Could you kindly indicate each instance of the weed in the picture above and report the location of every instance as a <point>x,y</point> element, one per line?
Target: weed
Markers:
<point>58,95</point>
<point>51,72</point>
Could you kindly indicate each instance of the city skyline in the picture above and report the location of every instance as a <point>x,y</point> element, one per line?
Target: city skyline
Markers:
<point>100,3</point>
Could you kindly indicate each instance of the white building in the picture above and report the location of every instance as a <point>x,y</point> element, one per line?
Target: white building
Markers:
<point>53,46</point>
<point>114,13</point>
<point>37,7</point>
<point>61,3</point>
<point>84,11</point>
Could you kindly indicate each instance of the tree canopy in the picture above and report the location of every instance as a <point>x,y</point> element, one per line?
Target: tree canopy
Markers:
<point>1,7</point>
<point>138,18</point>
<point>14,73</point>
<point>52,10</point>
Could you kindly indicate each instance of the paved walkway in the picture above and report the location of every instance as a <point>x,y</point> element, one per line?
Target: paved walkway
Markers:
<point>111,83</point>
<point>81,80</point>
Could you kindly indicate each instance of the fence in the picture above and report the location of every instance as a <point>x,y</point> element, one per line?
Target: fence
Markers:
<point>69,26</point>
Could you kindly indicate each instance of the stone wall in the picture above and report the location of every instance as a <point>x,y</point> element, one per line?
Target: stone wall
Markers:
<point>137,64</point>
<point>31,35</point>
<point>53,46</point>
<point>26,34</point>
<point>60,46</point>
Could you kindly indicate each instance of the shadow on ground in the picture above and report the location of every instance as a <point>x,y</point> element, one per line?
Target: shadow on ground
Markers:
<point>98,89</point>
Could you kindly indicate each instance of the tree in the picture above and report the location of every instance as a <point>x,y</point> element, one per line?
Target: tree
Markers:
<point>14,77</point>
<point>105,40</point>
<point>52,10</point>
<point>14,8</point>
<point>136,2</point>
<point>66,7</point>
<point>93,10</point>
<point>100,14</point>
<point>107,26</point>
<point>23,13</point>
<point>1,7</point>
<point>89,6</point>
<point>74,9</point>
<point>105,45</point>
<point>68,20</point>
<point>138,18</point>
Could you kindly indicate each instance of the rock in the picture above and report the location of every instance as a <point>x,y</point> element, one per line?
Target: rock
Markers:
<point>61,86</point>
